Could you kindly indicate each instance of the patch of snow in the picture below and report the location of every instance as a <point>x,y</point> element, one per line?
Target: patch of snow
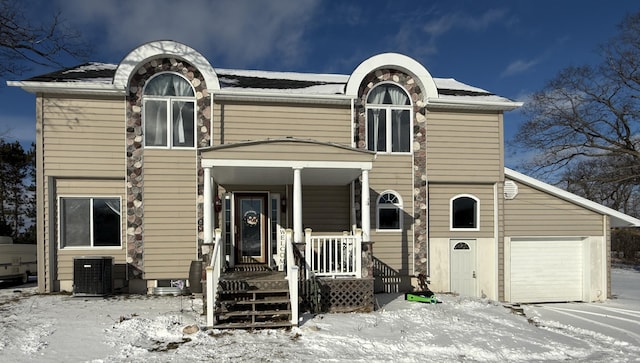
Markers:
<point>452,84</point>
<point>325,89</point>
<point>124,328</point>
<point>485,98</point>
<point>293,76</point>
<point>92,66</point>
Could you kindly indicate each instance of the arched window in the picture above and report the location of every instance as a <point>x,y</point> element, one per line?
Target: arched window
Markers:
<point>169,112</point>
<point>389,211</point>
<point>388,119</point>
<point>464,212</point>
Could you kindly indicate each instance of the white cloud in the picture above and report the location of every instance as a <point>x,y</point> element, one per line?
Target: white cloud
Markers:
<point>519,66</point>
<point>448,22</point>
<point>239,31</point>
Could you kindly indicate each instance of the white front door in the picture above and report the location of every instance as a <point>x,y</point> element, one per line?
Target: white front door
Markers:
<point>463,267</point>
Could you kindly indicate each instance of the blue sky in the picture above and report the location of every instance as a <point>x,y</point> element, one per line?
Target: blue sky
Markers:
<point>510,48</point>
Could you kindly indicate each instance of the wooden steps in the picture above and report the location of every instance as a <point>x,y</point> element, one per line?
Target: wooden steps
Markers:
<point>253,297</point>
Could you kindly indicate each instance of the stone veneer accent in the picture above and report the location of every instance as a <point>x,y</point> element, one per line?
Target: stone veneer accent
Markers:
<point>406,81</point>
<point>135,149</point>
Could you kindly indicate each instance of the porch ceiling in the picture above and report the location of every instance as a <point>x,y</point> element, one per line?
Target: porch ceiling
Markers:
<point>281,175</point>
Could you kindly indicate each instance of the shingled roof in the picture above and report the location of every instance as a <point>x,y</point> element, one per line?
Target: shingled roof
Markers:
<point>249,80</point>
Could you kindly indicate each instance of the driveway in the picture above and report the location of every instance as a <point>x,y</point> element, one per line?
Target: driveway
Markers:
<point>617,319</point>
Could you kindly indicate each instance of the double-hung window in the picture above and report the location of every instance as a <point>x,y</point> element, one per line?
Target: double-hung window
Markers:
<point>169,112</point>
<point>90,222</point>
<point>388,119</point>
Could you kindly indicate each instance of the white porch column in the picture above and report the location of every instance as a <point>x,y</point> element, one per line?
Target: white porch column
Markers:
<point>365,208</point>
<point>208,205</point>
<point>297,205</point>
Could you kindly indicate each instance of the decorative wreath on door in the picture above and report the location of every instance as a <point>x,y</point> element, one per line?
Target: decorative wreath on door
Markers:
<point>250,218</point>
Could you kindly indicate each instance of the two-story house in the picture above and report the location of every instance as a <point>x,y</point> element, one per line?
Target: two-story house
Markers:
<point>144,160</point>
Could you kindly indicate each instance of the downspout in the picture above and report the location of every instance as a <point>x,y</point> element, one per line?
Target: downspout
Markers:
<point>605,265</point>
<point>211,104</point>
<point>126,195</point>
<point>207,217</point>
<point>353,222</point>
<point>496,235</point>
<point>353,115</point>
<point>297,205</point>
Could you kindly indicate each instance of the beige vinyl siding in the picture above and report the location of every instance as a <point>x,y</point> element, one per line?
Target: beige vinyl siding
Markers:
<point>464,146</point>
<point>236,122</point>
<point>83,137</point>
<point>535,213</point>
<point>170,213</point>
<point>288,150</point>
<point>326,208</point>
<point>90,188</point>
<point>170,216</point>
<point>440,210</point>
<point>393,248</point>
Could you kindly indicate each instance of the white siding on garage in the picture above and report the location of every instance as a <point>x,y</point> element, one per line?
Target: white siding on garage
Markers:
<point>546,270</point>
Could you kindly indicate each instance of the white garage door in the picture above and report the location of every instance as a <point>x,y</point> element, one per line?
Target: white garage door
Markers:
<point>545,270</point>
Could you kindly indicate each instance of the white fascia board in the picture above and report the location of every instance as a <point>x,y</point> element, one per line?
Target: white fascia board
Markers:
<point>69,87</point>
<point>623,220</point>
<point>293,164</point>
<point>280,97</point>
<point>473,105</point>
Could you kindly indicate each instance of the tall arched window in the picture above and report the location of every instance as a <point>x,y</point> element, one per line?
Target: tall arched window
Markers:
<point>389,211</point>
<point>388,119</point>
<point>464,212</point>
<point>169,112</point>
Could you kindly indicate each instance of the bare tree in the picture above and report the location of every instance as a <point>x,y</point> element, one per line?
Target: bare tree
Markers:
<point>24,44</point>
<point>586,121</point>
<point>605,180</point>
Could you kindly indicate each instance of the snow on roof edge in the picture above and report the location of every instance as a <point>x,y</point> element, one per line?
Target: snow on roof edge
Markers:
<point>331,83</point>
<point>589,204</point>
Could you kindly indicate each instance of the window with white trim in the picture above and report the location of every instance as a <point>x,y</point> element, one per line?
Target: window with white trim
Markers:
<point>90,222</point>
<point>389,119</point>
<point>389,211</point>
<point>464,212</point>
<point>169,112</point>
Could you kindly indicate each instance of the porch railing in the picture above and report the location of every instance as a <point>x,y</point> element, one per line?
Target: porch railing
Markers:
<point>292,277</point>
<point>214,270</point>
<point>333,255</point>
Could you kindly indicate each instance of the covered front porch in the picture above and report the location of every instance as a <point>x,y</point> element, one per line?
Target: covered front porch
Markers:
<point>255,212</point>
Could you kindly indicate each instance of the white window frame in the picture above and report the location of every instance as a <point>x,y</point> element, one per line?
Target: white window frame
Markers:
<point>90,246</point>
<point>477,212</point>
<point>398,206</point>
<point>169,100</point>
<point>388,120</point>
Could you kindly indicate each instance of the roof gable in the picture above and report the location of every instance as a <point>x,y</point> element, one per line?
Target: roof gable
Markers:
<point>618,219</point>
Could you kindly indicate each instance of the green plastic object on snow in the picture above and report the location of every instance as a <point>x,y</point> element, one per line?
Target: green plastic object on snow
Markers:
<point>423,297</point>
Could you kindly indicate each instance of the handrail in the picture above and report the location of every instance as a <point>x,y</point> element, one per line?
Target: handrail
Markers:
<point>292,277</point>
<point>333,255</point>
<point>213,276</point>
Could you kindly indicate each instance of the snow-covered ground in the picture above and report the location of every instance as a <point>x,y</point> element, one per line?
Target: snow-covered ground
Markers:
<point>62,328</point>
